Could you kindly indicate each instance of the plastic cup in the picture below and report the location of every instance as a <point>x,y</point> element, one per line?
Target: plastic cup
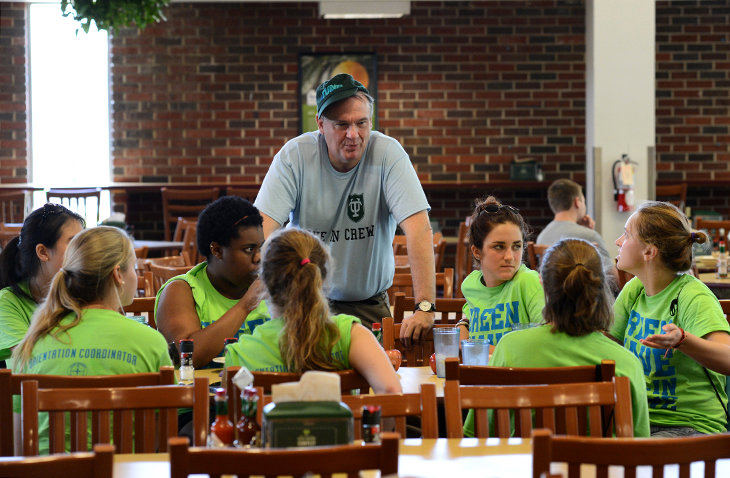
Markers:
<point>524,325</point>
<point>475,351</point>
<point>446,344</point>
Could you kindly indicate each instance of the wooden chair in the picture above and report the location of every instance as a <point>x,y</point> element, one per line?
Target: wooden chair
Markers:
<point>161,274</point>
<point>623,278</point>
<point>76,199</point>
<point>400,248</point>
<point>464,260</point>
<point>323,461</point>
<point>127,403</point>
<point>416,356</point>
<point>6,237</point>
<point>678,193</point>
<point>248,193</point>
<point>713,227</point>
<point>99,464</point>
<point>167,261</point>
<point>535,253</point>
<point>404,283</point>
<point>145,285</point>
<point>575,398</point>
<point>141,252</point>
<point>476,375</point>
<point>448,311</point>
<point>725,304</point>
<point>10,385</point>
<point>143,306</point>
<point>628,453</point>
<point>186,203</point>
<point>190,245</point>
<point>14,206</point>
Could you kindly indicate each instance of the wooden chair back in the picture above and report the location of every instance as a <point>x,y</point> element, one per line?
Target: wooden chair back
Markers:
<point>99,464</point>
<point>323,461</point>
<point>448,311</point>
<point>145,286</point>
<point>167,261</point>
<point>575,398</point>
<point>418,355</point>
<point>143,306</point>
<point>349,380</point>
<point>186,203</point>
<point>14,207</point>
<point>136,426</point>
<point>628,453</point>
<point>674,193</point>
<point>190,246</point>
<point>248,193</point>
<point>464,260</point>
<point>161,274</point>
<point>477,375</point>
<point>6,237</point>
<point>534,254</point>
<point>76,200</point>
<point>713,227</point>
<point>400,248</point>
<point>725,304</point>
<point>404,283</point>
<point>10,385</point>
<point>141,252</point>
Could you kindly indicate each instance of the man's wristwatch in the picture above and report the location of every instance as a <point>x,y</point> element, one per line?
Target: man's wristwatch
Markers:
<point>425,306</point>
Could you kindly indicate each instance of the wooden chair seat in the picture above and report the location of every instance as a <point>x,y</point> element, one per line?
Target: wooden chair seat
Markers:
<point>323,461</point>
<point>575,398</point>
<point>628,453</point>
<point>185,203</point>
<point>99,464</point>
<point>136,426</point>
<point>10,385</point>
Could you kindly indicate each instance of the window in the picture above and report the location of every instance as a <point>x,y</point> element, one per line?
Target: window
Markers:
<point>69,98</point>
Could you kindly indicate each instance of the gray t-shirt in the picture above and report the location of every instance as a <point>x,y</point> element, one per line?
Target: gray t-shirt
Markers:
<point>557,230</point>
<point>355,213</point>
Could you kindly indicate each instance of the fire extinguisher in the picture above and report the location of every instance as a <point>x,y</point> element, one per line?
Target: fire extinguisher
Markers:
<point>623,184</point>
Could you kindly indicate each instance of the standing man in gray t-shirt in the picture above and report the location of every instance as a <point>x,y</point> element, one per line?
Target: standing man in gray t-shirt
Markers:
<point>351,186</point>
<point>568,203</point>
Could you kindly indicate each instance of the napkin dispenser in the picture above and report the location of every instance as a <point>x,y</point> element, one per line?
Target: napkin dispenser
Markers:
<point>307,413</point>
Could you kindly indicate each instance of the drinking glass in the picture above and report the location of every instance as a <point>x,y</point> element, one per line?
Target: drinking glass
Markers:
<point>475,351</point>
<point>446,343</point>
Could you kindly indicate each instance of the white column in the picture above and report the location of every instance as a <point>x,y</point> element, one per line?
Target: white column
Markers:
<point>620,102</point>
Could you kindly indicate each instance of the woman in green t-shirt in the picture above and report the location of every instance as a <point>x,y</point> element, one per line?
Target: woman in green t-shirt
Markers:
<point>673,323</point>
<point>27,266</point>
<point>503,291</point>
<point>303,335</point>
<point>218,298</point>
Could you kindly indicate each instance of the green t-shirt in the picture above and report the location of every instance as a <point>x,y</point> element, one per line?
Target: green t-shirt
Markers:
<point>493,310</point>
<point>210,304</point>
<point>540,347</point>
<point>260,352</point>
<point>678,390</point>
<point>15,314</point>
<point>104,342</point>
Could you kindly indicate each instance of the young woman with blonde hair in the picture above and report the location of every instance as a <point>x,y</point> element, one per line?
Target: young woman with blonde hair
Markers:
<point>79,330</point>
<point>578,311</point>
<point>673,323</point>
<point>303,335</point>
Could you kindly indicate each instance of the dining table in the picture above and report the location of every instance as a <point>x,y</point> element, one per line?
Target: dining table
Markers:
<point>159,245</point>
<point>720,286</point>
<point>437,458</point>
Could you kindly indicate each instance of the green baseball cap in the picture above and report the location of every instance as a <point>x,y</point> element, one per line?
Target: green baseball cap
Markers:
<point>337,88</point>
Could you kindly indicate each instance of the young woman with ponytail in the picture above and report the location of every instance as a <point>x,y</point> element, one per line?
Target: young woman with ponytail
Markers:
<point>303,335</point>
<point>673,323</point>
<point>27,266</point>
<point>79,330</point>
<point>577,312</point>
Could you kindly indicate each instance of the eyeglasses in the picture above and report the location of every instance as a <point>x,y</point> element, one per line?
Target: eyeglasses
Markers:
<point>49,209</point>
<point>495,208</point>
<point>342,126</point>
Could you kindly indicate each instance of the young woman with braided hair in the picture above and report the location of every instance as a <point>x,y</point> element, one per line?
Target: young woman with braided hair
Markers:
<point>303,335</point>
<point>673,323</point>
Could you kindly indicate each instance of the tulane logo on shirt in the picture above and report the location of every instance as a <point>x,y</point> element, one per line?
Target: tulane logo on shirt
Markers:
<point>355,207</point>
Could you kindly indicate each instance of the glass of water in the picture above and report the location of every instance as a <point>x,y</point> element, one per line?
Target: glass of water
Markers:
<point>475,352</point>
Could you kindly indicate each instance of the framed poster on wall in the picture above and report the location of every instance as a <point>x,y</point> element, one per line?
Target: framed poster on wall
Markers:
<point>314,68</point>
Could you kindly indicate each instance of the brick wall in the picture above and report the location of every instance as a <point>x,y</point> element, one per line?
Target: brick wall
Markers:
<point>693,91</point>
<point>13,97</point>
